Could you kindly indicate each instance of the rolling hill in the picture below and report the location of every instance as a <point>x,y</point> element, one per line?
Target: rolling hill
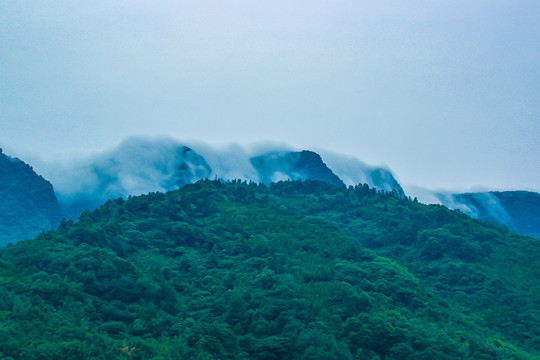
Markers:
<point>294,270</point>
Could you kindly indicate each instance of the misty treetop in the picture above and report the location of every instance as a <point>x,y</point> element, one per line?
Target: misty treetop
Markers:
<point>294,270</point>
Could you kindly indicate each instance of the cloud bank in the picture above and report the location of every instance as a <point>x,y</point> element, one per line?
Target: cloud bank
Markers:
<point>140,165</point>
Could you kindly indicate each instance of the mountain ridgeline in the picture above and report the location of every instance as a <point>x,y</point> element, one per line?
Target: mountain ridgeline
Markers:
<point>28,204</point>
<point>302,165</point>
<point>139,166</point>
<point>518,210</point>
<point>294,270</point>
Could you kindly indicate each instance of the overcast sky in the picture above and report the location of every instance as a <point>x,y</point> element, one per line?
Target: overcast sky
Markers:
<point>446,93</point>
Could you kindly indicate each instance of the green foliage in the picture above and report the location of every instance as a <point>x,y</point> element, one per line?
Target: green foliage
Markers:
<point>291,271</point>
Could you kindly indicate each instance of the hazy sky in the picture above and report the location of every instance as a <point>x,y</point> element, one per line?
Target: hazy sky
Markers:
<point>446,93</point>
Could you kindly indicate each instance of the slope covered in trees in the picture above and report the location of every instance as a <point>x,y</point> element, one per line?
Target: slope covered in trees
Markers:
<point>296,270</point>
<point>28,204</point>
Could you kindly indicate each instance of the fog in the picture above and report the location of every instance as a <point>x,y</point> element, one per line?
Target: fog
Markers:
<point>140,165</point>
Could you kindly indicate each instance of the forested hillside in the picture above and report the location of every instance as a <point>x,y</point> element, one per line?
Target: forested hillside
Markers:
<point>28,204</point>
<point>295,270</point>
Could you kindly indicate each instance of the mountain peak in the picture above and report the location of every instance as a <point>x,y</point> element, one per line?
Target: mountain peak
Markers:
<point>302,165</point>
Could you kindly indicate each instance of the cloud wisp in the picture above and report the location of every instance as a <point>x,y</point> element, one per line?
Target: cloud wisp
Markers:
<point>140,165</point>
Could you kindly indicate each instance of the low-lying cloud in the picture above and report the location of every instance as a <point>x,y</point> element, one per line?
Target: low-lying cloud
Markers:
<point>141,165</point>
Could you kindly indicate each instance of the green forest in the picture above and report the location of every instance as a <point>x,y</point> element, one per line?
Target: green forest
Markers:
<point>294,270</point>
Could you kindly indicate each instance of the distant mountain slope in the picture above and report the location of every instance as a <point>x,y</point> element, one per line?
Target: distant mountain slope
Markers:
<point>518,210</point>
<point>136,167</point>
<point>296,270</point>
<point>139,166</point>
<point>352,172</point>
<point>293,166</point>
<point>28,204</point>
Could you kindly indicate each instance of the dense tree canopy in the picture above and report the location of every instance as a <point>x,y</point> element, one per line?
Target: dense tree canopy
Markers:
<point>296,270</point>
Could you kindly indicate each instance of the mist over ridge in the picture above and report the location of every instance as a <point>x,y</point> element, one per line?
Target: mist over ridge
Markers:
<point>140,165</point>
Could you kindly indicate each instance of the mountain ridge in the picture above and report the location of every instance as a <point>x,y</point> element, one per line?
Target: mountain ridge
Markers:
<point>140,165</point>
<point>143,165</point>
<point>28,204</point>
<point>518,210</point>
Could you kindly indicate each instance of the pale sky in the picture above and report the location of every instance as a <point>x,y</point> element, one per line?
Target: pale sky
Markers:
<point>445,93</point>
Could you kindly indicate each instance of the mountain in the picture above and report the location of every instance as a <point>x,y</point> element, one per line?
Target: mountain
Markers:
<point>352,172</point>
<point>304,165</point>
<point>28,204</point>
<point>518,210</point>
<point>135,167</point>
<point>139,166</point>
<point>294,270</point>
